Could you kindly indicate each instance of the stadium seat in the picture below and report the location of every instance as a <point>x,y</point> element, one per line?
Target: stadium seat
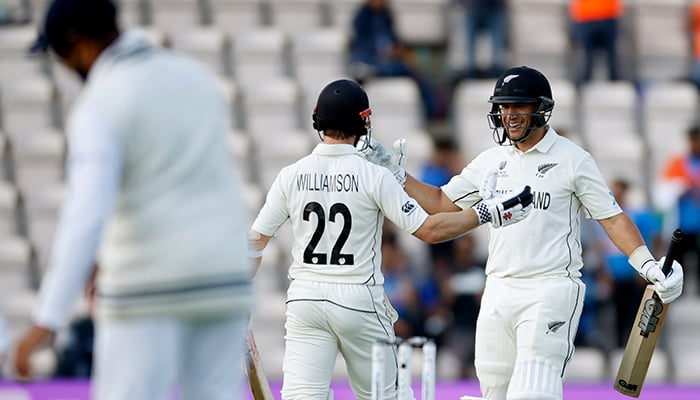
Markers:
<point>259,55</point>
<point>587,365</point>
<point>680,336</point>
<point>318,57</point>
<point>38,158</point>
<point>609,121</point>
<point>133,13</point>
<point>565,114</point>
<point>420,22</point>
<point>173,15</point>
<point>342,13</point>
<point>292,16</point>
<point>470,108</point>
<point>661,40</point>
<point>9,209</point>
<point>15,61</point>
<point>658,368</point>
<point>235,16</point>
<point>668,110</point>
<point>274,97</point>
<point>550,52</point>
<point>15,259</point>
<point>5,161</point>
<point>41,207</point>
<point>272,155</point>
<point>28,103</point>
<point>396,105</point>
<point>206,44</point>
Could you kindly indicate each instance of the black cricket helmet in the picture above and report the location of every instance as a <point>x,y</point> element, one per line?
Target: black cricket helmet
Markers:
<point>344,106</point>
<point>520,85</point>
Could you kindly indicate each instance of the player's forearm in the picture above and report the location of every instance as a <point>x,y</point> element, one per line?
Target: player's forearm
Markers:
<point>431,198</point>
<point>256,244</point>
<point>445,226</point>
<point>623,233</point>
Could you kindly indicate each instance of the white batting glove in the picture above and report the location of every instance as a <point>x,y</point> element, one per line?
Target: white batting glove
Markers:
<point>487,190</point>
<point>391,160</point>
<point>669,287</point>
<point>505,210</point>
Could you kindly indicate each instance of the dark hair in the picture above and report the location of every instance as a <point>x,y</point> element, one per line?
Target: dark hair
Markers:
<point>66,19</point>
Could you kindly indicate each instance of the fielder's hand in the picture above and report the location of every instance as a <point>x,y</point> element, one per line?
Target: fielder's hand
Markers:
<point>668,287</point>
<point>505,210</point>
<point>394,161</point>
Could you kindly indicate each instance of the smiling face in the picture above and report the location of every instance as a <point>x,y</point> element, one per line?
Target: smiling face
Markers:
<point>517,118</point>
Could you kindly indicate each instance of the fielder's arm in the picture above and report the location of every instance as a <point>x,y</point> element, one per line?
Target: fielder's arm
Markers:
<point>256,244</point>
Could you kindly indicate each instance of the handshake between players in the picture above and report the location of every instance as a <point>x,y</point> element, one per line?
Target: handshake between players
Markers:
<point>499,210</point>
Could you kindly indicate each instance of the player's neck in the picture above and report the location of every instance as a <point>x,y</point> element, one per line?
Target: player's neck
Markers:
<point>330,140</point>
<point>531,141</point>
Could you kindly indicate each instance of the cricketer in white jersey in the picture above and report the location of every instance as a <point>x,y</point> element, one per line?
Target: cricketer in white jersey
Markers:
<point>534,295</point>
<point>336,202</point>
<point>152,196</point>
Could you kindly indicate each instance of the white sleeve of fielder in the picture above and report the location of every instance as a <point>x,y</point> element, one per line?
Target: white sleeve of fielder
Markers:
<point>593,191</point>
<point>94,171</point>
<point>396,204</point>
<point>274,212</point>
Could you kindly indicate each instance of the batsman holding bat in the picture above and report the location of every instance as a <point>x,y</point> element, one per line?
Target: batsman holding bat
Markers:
<point>534,295</point>
<point>336,202</point>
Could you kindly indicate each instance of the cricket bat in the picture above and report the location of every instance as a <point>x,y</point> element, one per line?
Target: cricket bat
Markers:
<point>259,386</point>
<point>645,333</point>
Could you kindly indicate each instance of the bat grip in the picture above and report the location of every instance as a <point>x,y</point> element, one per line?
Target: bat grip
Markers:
<point>672,249</point>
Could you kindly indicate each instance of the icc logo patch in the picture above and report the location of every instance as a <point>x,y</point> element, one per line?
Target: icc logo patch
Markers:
<point>407,207</point>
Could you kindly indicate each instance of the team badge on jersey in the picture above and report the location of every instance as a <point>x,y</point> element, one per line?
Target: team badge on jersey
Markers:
<point>407,207</point>
<point>543,168</point>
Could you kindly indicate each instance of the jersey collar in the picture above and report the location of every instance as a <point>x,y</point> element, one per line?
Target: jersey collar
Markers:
<point>334,149</point>
<point>543,145</point>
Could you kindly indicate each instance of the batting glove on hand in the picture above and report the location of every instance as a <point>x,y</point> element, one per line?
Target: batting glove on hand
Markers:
<point>668,287</point>
<point>394,161</point>
<point>505,210</point>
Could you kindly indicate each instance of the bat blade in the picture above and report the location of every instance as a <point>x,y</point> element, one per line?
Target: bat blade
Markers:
<point>645,333</point>
<point>257,380</point>
<point>641,344</point>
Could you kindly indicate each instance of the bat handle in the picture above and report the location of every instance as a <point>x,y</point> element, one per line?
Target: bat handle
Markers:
<point>672,249</point>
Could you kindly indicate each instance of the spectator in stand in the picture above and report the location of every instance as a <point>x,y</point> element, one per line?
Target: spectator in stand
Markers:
<point>446,162</point>
<point>400,284</point>
<point>680,183</point>
<point>376,51</point>
<point>491,17</point>
<point>595,27</point>
<point>461,293</point>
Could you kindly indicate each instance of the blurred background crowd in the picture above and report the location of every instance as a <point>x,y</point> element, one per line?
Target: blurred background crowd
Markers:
<point>625,78</point>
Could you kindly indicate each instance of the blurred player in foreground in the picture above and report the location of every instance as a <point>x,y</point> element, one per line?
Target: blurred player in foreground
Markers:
<point>534,295</point>
<point>151,183</point>
<point>336,202</point>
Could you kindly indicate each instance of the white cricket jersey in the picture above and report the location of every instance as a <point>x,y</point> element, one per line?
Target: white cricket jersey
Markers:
<point>336,202</point>
<point>563,178</point>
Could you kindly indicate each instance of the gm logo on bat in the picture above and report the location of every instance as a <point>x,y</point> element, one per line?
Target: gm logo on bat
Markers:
<point>627,386</point>
<point>649,318</point>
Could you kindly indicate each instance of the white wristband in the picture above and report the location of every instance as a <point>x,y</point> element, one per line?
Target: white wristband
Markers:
<point>640,256</point>
<point>254,253</point>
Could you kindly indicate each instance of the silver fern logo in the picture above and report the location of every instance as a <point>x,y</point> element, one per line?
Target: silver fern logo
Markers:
<point>509,78</point>
<point>544,168</point>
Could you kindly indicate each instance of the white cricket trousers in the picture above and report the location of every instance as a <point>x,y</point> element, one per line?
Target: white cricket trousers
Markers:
<point>148,358</point>
<point>525,336</point>
<point>326,318</point>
